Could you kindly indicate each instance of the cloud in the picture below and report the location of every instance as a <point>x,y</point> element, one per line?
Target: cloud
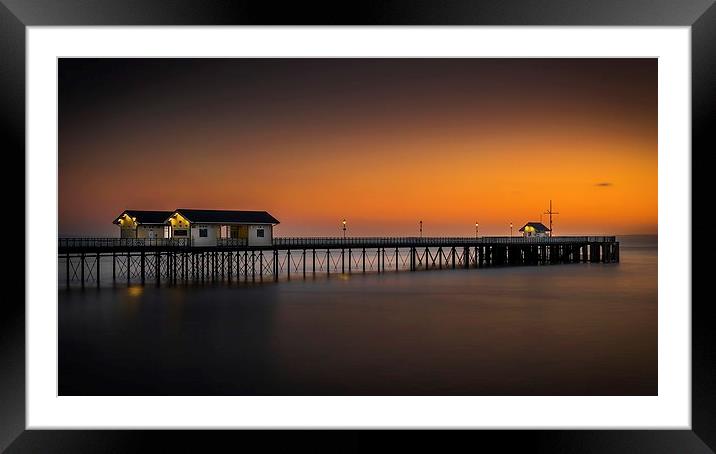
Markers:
<point>604,184</point>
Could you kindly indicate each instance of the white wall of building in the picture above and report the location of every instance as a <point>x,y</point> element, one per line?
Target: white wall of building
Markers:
<point>212,234</point>
<point>150,231</point>
<point>127,232</point>
<point>256,240</point>
<point>527,234</point>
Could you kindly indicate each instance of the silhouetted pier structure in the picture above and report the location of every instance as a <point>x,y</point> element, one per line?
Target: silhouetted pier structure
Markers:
<point>175,261</point>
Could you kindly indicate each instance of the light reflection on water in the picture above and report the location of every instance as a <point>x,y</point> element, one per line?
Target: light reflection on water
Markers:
<point>135,291</point>
<point>566,329</point>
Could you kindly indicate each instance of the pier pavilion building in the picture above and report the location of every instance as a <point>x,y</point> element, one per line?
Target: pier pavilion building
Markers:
<point>534,229</point>
<point>207,227</point>
<point>142,223</point>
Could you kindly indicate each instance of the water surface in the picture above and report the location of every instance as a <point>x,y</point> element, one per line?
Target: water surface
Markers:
<point>581,329</point>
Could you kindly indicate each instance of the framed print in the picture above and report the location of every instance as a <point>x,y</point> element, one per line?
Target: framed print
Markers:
<point>410,217</point>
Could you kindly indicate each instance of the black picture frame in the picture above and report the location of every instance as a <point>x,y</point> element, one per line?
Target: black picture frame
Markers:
<point>16,15</point>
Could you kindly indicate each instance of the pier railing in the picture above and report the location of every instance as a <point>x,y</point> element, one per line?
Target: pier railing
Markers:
<point>120,242</point>
<point>229,242</point>
<point>330,242</point>
<point>434,241</point>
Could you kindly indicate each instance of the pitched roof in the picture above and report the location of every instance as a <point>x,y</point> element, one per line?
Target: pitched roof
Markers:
<point>145,216</point>
<point>226,216</point>
<point>538,226</point>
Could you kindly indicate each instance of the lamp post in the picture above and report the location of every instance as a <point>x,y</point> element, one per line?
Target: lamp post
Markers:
<point>421,229</point>
<point>477,229</point>
<point>510,229</point>
<point>344,229</point>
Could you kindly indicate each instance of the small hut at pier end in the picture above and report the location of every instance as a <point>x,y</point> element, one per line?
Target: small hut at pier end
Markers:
<point>206,227</point>
<point>534,229</point>
<point>142,223</point>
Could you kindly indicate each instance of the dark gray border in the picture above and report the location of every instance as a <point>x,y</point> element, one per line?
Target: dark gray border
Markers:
<point>15,15</point>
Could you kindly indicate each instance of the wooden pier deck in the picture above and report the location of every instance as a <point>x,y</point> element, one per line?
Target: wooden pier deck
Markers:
<point>87,261</point>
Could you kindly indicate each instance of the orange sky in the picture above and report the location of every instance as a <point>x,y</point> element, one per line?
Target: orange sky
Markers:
<point>382,143</point>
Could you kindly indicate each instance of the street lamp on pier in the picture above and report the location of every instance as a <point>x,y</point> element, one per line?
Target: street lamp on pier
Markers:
<point>344,229</point>
<point>477,229</point>
<point>510,229</point>
<point>421,229</point>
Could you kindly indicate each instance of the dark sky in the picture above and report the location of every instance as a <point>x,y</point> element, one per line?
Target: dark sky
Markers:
<point>381,142</point>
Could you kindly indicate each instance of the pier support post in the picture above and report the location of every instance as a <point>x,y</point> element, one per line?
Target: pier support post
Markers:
<point>253,265</point>
<point>595,253</point>
<point>142,266</point>
<point>98,269</point>
<point>275,264</point>
<point>246,265</point>
<point>82,273</point>
<point>261,265</point>
<point>67,269</point>
<point>288,263</point>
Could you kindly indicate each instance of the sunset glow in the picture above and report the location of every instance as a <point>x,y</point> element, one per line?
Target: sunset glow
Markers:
<point>379,143</point>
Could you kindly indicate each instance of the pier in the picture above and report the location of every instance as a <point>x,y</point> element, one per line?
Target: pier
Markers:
<point>98,261</point>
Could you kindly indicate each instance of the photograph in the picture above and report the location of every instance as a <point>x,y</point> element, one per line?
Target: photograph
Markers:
<point>357,226</point>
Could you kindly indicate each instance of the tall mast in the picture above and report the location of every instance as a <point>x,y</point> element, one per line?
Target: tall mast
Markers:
<point>550,212</point>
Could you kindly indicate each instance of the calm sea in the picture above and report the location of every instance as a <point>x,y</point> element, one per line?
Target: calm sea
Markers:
<point>581,329</point>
